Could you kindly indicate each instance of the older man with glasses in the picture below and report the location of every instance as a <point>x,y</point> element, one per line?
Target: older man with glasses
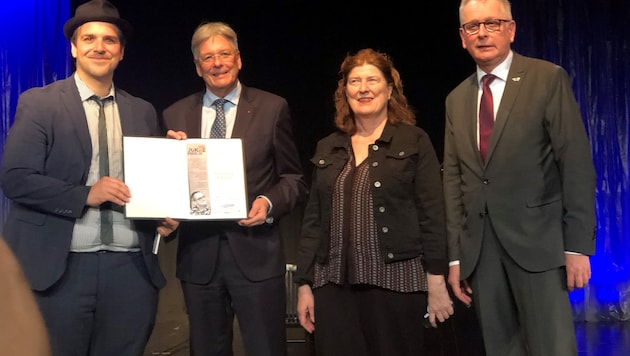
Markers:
<point>519,187</point>
<point>237,267</point>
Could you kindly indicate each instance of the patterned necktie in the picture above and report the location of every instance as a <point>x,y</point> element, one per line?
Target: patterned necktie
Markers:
<point>107,229</point>
<point>218,127</point>
<point>486,116</point>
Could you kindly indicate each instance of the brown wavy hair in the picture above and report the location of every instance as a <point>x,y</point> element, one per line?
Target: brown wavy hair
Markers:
<point>398,110</point>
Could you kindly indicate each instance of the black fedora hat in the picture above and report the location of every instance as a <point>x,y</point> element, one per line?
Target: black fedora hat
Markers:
<point>97,10</point>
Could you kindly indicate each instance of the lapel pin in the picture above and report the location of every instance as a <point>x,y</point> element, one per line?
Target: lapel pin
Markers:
<point>516,79</point>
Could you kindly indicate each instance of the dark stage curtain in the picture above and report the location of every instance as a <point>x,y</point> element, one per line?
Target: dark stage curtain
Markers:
<point>33,52</point>
<point>591,40</point>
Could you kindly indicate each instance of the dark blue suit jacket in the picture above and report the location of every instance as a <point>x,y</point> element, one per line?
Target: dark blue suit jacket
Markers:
<point>273,169</point>
<point>44,170</point>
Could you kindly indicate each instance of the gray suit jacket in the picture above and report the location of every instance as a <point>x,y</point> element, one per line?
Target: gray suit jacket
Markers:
<point>538,182</point>
<point>273,169</point>
<point>44,170</point>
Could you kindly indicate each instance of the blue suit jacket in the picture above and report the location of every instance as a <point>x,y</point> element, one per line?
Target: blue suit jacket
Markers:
<point>44,171</point>
<point>273,169</point>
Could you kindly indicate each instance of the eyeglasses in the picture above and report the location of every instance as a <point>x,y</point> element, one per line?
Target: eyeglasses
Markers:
<point>491,25</point>
<point>223,56</point>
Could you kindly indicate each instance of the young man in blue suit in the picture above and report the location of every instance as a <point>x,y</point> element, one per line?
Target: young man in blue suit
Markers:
<point>519,205</point>
<point>237,267</point>
<point>98,297</point>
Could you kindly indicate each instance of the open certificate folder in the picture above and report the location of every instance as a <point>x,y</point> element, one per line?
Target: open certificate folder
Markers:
<point>196,179</point>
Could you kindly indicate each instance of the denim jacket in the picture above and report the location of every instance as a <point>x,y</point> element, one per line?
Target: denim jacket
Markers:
<point>407,198</point>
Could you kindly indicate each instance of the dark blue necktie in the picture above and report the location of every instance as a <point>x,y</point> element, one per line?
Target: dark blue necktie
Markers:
<point>218,127</point>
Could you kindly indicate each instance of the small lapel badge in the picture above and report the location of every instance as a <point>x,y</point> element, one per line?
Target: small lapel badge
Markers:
<point>516,79</point>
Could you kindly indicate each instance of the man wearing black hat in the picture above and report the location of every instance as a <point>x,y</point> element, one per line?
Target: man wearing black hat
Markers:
<point>92,271</point>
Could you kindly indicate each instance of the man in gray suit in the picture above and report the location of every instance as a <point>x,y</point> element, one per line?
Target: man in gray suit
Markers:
<point>237,267</point>
<point>98,297</point>
<point>520,213</point>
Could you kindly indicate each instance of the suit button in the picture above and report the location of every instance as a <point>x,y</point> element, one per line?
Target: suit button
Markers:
<point>485,182</point>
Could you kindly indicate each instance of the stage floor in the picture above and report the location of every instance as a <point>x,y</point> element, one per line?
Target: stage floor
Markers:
<point>457,337</point>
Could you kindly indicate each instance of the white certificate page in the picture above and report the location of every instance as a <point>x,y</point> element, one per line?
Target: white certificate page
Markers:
<point>194,179</point>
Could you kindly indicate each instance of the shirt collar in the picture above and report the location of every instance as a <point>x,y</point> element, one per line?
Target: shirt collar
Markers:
<point>84,92</point>
<point>501,71</point>
<point>233,96</point>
